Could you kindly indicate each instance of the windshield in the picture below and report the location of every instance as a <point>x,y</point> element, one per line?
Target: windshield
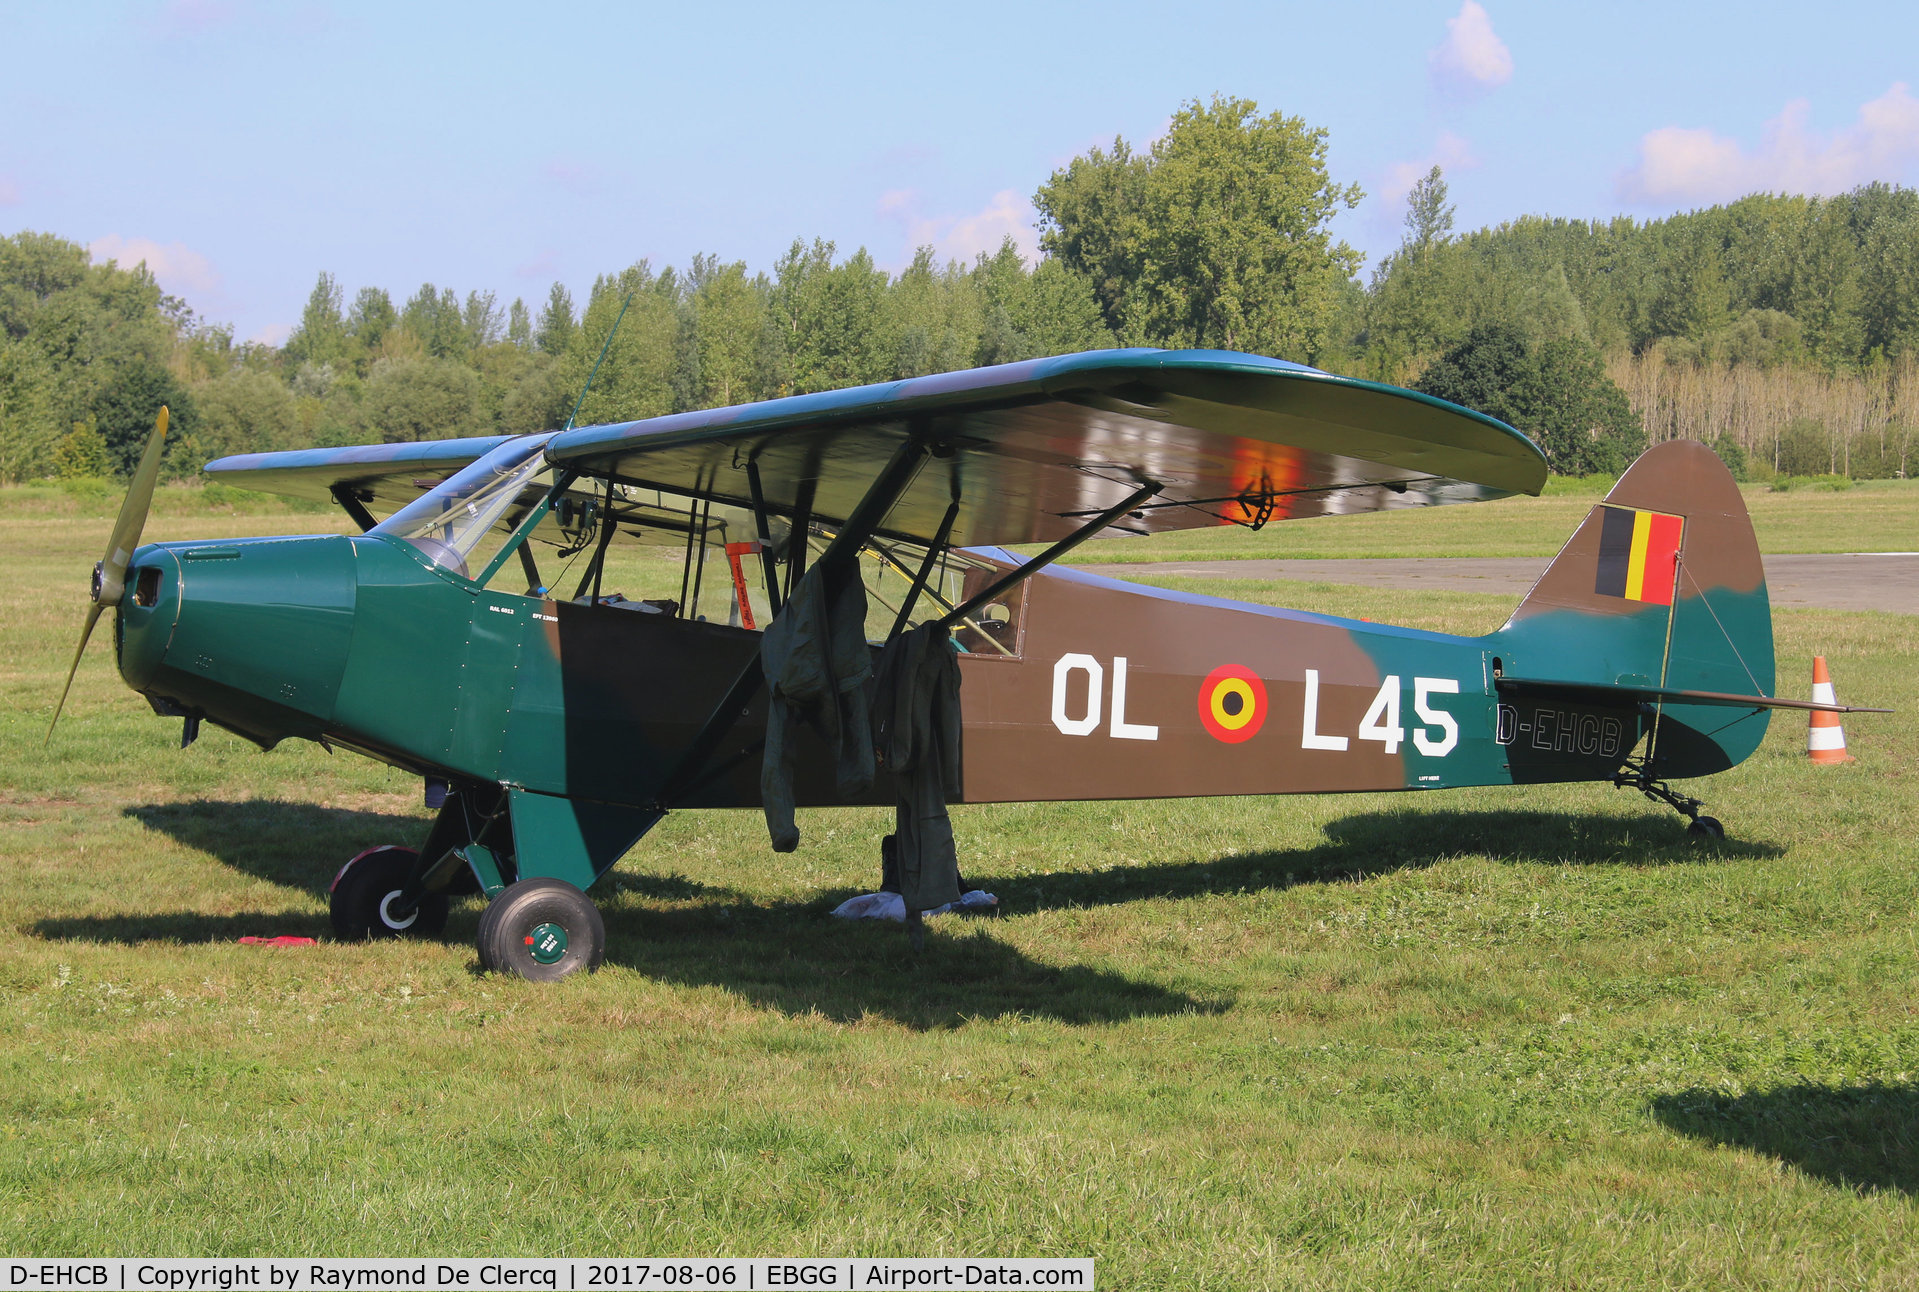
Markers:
<point>448,522</point>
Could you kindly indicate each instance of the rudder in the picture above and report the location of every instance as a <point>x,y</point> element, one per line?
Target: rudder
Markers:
<point>1660,586</point>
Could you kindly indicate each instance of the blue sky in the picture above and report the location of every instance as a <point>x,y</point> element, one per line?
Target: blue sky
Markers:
<point>241,147</point>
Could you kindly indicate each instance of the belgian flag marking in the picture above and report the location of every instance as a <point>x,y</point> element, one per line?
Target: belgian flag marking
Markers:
<point>1638,555</point>
<point>1232,703</point>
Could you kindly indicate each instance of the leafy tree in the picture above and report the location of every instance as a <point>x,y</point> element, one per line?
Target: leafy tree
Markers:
<point>322,335</point>
<point>1885,221</point>
<point>1028,315</point>
<point>831,318</point>
<point>241,412</point>
<point>934,317</point>
<point>81,454</point>
<point>1429,216</point>
<point>482,319</point>
<point>29,423</point>
<point>554,335</point>
<point>1558,394</point>
<point>539,401</point>
<point>1693,299</point>
<point>125,409</point>
<point>35,267</point>
<point>636,378</point>
<point>436,320</point>
<point>1416,290</point>
<point>519,325</point>
<point>1577,414</point>
<point>421,399</point>
<point>727,315</point>
<point>369,322</point>
<point>1090,220</point>
<point>1220,234</point>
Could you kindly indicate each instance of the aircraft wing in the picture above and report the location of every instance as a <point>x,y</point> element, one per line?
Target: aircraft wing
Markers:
<point>382,477</point>
<point>1036,449</point>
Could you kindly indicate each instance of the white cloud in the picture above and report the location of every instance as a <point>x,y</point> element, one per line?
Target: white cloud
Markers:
<point>1472,57</point>
<point>9,192</point>
<point>961,237</point>
<point>176,267</point>
<point>1678,164</point>
<point>273,334</point>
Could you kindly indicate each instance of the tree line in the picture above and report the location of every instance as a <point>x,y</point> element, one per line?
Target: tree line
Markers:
<point>1785,329</point>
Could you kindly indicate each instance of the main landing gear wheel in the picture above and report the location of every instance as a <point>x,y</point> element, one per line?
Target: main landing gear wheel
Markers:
<point>542,929</point>
<point>366,890</point>
<point>1705,829</point>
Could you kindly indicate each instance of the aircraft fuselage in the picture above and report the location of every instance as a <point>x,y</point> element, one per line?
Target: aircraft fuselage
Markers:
<point>1112,690</point>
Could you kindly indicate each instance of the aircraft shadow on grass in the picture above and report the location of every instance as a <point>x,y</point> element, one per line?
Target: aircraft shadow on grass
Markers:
<point>787,956</point>
<point>1858,1137</point>
<point>781,955</point>
<point>1378,843</point>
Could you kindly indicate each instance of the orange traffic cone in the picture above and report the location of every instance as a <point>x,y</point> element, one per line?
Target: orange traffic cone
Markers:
<point>1825,738</point>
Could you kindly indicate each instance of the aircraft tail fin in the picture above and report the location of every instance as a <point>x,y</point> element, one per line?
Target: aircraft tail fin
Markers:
<point>1660,591</point>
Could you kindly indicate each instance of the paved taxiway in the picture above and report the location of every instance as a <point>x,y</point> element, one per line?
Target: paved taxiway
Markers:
<point>1849,581</point>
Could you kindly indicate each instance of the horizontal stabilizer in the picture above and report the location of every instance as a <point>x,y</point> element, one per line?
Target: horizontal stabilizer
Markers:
<point>1602,693</point>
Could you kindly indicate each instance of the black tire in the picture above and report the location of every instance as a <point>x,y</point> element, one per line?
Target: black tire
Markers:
<point>542,930</point>
<point>482,937</point>
<point>365,886</point>
<point>1705,829</point>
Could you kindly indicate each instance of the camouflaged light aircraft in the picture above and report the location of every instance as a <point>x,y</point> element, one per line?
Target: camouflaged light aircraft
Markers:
<point>564,726</point>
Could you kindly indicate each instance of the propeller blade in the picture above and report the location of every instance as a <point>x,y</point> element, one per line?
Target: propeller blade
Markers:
<point>133,517</point>
<point>94,612</point>
<point>110,576</point>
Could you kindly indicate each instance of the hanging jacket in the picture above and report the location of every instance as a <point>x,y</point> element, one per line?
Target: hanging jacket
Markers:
<point>916,736</point>
<point>817,666</point>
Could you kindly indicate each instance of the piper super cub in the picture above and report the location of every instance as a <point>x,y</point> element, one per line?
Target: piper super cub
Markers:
<point>848,626</point>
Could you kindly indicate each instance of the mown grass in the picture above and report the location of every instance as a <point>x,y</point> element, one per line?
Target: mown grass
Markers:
<point>1873,516</point>
<point>1487,1038</point>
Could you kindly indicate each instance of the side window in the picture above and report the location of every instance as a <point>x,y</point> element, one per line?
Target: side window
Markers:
<point>994,629</point>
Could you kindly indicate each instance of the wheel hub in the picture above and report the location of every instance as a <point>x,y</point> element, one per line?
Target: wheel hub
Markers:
<point>547,943</point>
<point>392,921</point>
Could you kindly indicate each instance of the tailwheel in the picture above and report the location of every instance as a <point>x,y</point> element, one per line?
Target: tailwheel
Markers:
<point>542,929</point>
<point>366,898</point>
<point>1637,775</point>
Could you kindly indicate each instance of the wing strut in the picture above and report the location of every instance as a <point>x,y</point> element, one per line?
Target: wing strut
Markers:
<point>766,539</point>
<point>839,560</point>
<point>354,505</point>
<point>934,550</point>
<point>1027,570</point>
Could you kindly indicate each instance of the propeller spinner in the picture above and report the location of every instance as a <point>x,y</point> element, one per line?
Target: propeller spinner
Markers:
<point>110,574</point>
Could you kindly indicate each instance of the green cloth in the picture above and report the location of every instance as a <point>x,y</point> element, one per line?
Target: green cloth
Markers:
<point>916,736</point>
<point>817,666</point>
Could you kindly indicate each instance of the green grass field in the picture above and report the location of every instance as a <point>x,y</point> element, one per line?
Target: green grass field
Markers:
<point>1487,1038</point>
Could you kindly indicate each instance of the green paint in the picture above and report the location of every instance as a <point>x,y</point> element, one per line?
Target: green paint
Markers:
<point>548,943</point>
<point>486,868</point>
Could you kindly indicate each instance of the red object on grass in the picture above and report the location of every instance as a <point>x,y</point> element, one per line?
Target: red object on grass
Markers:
<point>284,940</point>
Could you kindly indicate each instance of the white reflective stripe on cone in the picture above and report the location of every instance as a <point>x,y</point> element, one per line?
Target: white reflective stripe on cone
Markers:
<point>1822,693</point>
<point>1826,738</point>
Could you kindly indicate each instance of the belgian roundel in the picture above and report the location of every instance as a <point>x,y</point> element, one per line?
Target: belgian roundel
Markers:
<point>1232,703</point>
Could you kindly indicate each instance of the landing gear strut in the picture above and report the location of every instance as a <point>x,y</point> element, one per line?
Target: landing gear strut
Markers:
<point>1699,829</point>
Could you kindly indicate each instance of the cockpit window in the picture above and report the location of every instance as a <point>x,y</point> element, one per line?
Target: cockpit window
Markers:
<point>451,520</point>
